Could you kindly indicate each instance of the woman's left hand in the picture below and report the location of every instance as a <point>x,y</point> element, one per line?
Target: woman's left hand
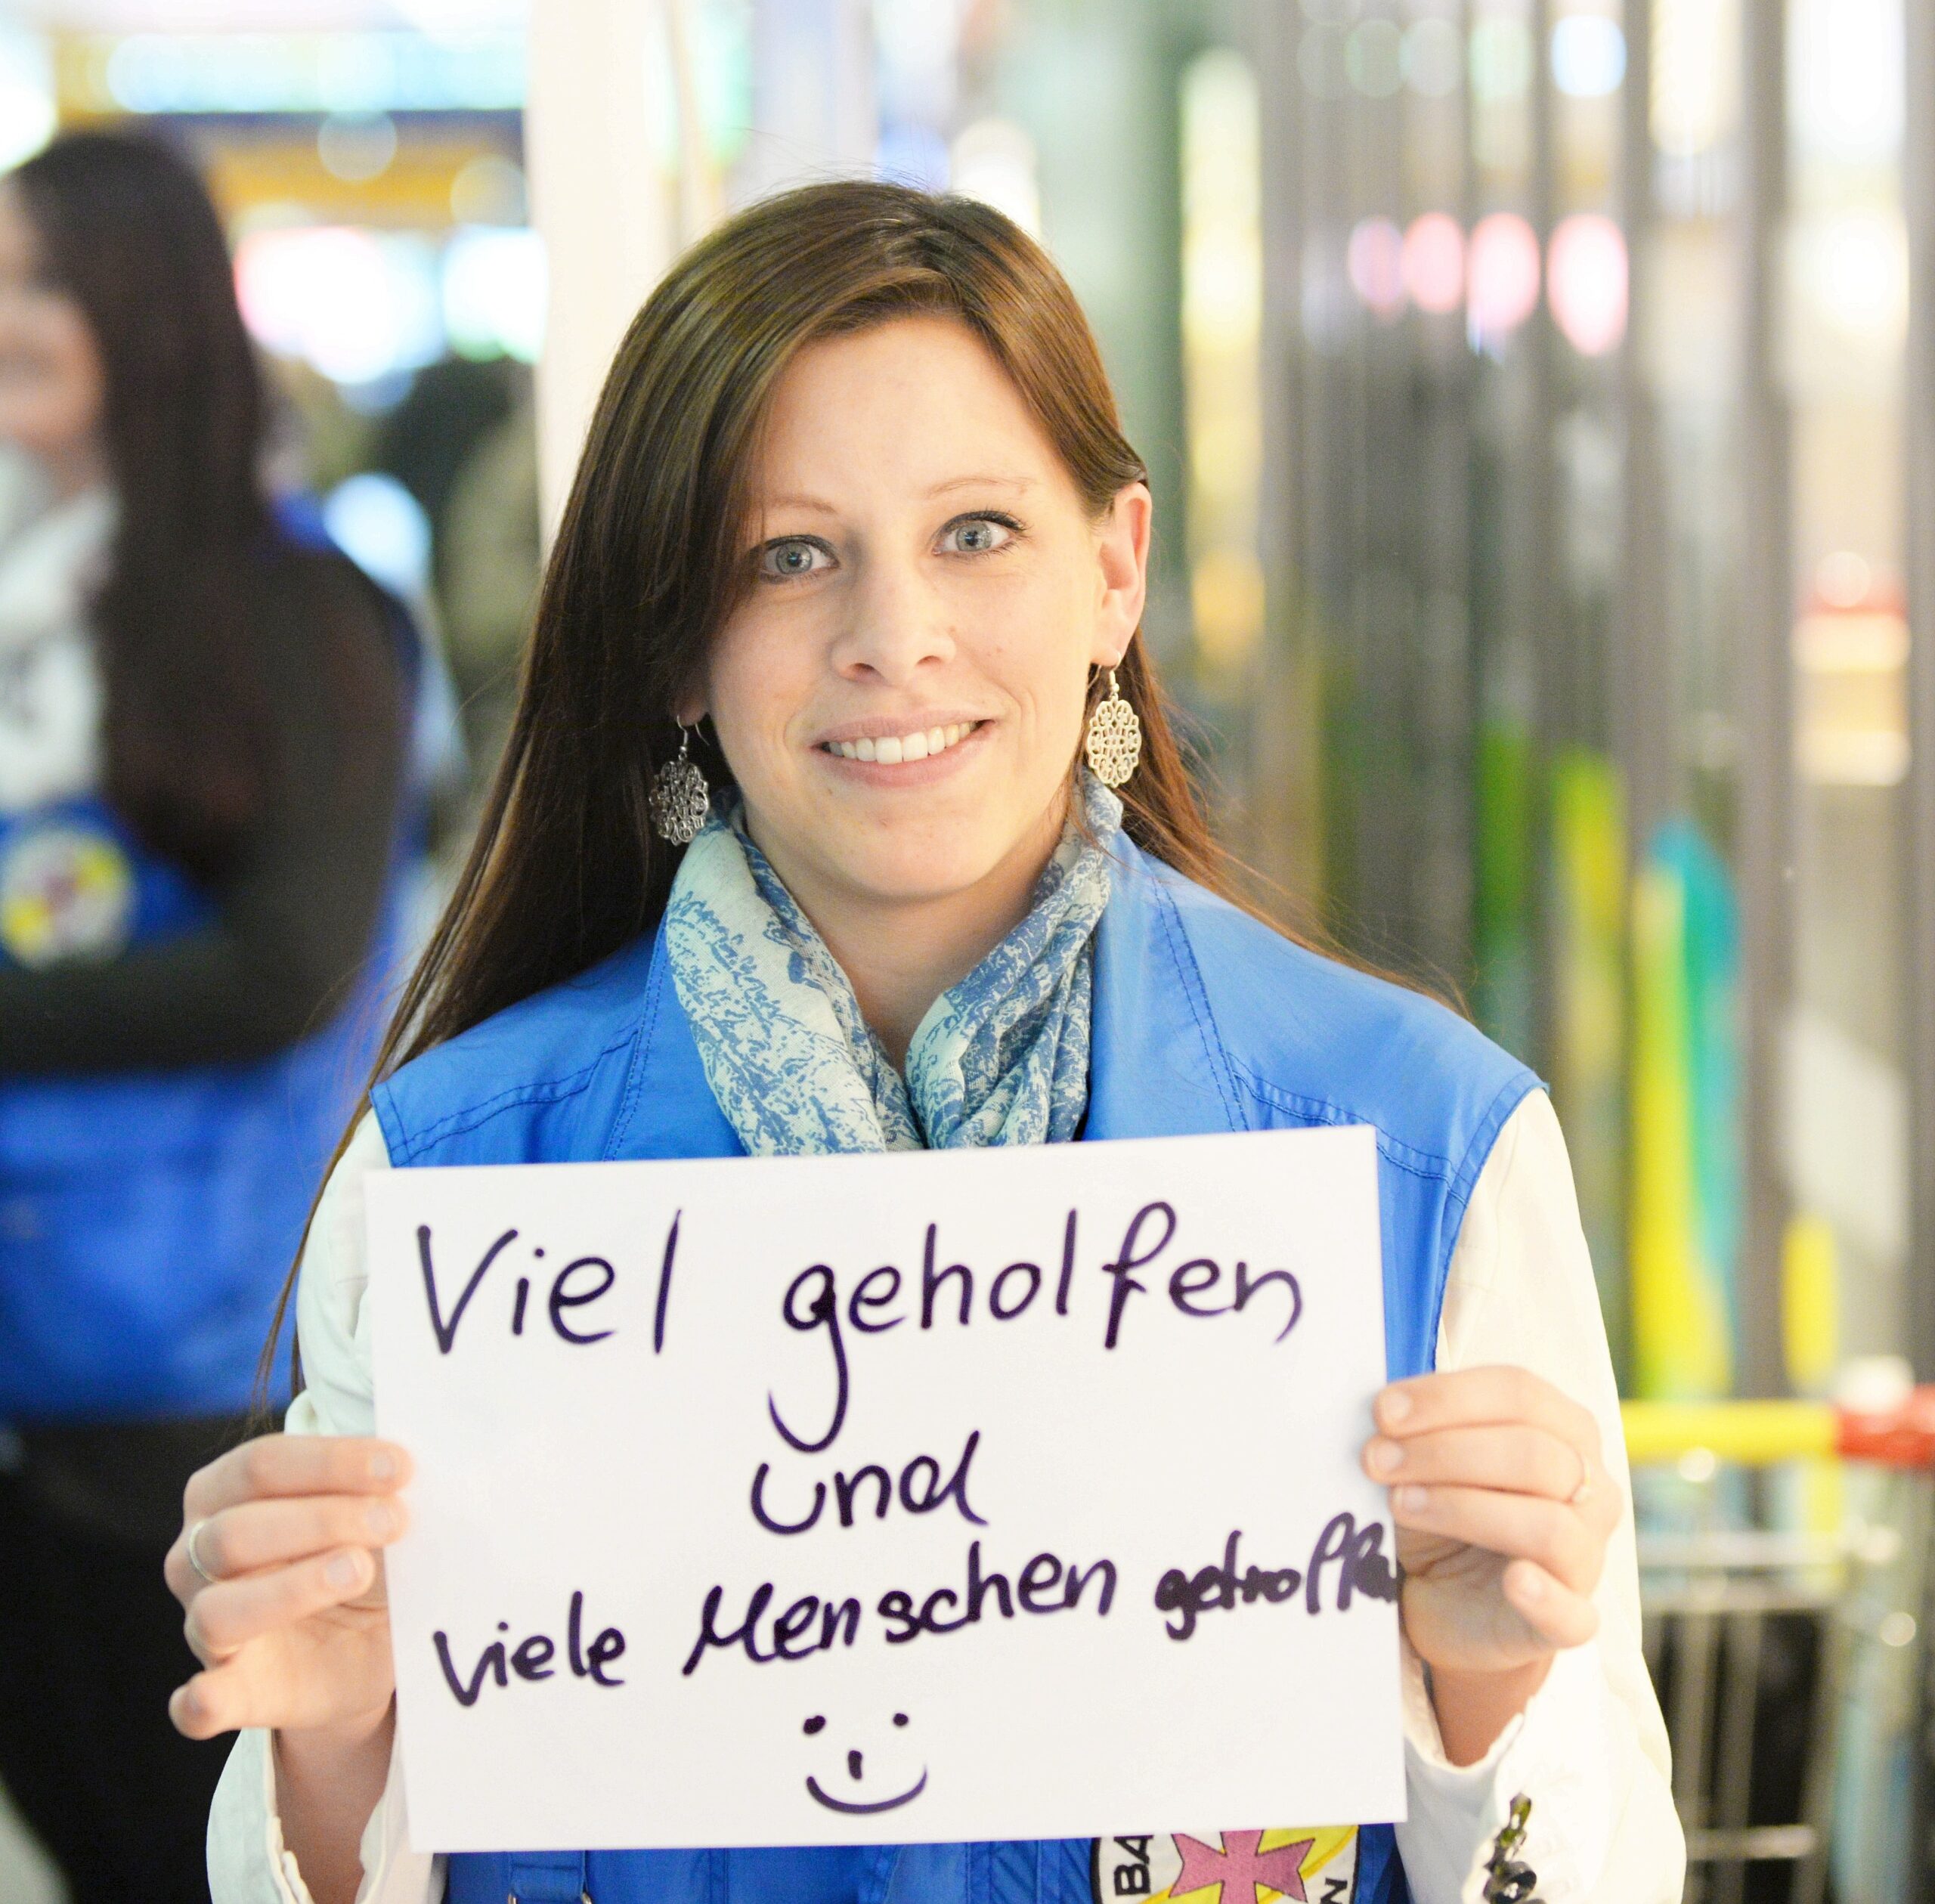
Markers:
<point>1503,1508</point>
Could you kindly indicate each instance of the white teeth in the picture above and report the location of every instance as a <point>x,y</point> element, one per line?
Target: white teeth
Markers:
<point>890,750</point>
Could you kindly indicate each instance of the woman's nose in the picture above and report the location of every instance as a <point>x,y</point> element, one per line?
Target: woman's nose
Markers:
<point>896,626</point>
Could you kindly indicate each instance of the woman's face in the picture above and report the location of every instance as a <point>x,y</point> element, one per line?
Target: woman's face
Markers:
<point>52,391</point>
<point>900,695</point>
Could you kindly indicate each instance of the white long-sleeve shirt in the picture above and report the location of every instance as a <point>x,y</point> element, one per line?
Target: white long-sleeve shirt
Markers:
<point>1589,1751</point>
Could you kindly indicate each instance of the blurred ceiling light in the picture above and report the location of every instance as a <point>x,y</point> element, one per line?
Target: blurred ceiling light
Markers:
<point>1434,58</point>
<point>1588,56</point>
<point>1586,276</point>
<point>493,293</point>
<point>1222,262</point>
<point>489,189</point>
<point>382,528</point>
<point>356,147</point>
<point>993,160</point>
<point>1373,56</point>
<point>1844,70</point>
<point>1842,579</point>
<point>1696,80</point>
<point>374,72</point>
<point>1851,699</point>
<point>1374,259</point>
<point>1222,306</point>
<point>1434,263</point>
<point>1502,277</point>
<point>915,42</point>
<point>1851,270</point>
<point>28,113</point>
<point>1501,59</point>
<point>1855,641</point>
<point>442,18</point>
<point>355,306</point>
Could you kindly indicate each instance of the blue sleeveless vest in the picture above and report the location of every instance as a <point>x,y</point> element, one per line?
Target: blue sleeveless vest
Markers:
<point>1205,1021</point>
<point>147,1218</point>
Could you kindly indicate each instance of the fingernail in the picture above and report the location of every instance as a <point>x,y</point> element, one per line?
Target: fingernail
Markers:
<point>1394,1405</point>
<point>383,1467</point>
<point>1385,1457</point>
<point>380,1518</point>
<point>343,1569</point>
<point>1531,1586</point>
<point>1413,1499</point>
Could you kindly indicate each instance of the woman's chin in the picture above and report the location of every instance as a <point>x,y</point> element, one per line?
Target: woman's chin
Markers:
<point>917,866</point>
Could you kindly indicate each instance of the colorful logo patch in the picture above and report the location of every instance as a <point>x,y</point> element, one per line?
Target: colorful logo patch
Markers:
<point>66,892</point>
<point>1308,1864</point>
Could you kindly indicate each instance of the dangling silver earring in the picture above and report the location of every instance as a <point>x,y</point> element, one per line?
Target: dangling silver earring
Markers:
<point>680,796</point>
<point>1114,742</point>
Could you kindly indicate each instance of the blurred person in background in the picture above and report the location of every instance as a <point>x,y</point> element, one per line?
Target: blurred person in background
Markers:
<point>203,717</point>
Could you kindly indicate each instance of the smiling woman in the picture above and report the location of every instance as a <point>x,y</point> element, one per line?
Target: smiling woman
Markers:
<point>857,536</point>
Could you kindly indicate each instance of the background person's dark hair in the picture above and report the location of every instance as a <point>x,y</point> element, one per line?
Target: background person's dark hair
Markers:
<point>126,229</point>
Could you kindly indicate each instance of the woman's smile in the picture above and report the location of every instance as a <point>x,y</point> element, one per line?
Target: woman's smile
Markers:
<point>898,752</point>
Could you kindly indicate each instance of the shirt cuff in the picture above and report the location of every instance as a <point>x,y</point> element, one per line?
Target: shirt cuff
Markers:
<point>248,1863</point>
<point>1555,1753</point>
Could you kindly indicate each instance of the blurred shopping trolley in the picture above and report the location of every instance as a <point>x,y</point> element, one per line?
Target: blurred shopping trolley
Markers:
<point>1784,1569</point>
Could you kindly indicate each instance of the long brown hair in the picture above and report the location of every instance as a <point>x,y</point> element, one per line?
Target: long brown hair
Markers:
<point>566,868</point>
<point>647,564</point>
<point>126,228</point>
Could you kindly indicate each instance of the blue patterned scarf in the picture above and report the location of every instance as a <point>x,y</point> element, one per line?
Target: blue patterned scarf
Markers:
<point>1001,1058</point>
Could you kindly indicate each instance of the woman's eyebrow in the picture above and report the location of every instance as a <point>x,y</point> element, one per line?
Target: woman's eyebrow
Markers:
<point>981,482</point>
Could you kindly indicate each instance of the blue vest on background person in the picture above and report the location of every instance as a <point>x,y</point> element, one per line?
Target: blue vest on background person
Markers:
<point>147,1218</point>
<point>1205,1021</point>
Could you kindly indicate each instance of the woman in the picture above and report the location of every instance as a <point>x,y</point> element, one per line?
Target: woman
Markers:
<point>200,730</point>
<point>856,499</point>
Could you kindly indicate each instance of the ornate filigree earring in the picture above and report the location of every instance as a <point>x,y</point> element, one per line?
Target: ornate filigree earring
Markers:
<point>1114,742</point>
<point>680,796</point>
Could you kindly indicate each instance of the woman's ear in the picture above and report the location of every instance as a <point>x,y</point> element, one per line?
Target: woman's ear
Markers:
<point>1121,555</point>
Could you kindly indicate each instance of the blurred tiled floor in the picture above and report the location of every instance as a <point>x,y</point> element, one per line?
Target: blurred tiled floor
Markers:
<point>25,1875</point>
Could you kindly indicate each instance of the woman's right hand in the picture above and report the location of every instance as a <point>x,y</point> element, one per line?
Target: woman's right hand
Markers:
<point>291,1622</point>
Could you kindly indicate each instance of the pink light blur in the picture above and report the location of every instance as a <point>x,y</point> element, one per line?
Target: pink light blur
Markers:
<point>1504,274</point>
<point>1434,263</point>
<point>1375,261</point>
<point>1587,283</point>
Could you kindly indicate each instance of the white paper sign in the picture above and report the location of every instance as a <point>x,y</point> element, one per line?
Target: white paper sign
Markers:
<point>983,1494</point>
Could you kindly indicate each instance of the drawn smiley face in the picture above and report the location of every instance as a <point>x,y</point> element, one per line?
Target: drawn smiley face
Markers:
<point>859,1806</point>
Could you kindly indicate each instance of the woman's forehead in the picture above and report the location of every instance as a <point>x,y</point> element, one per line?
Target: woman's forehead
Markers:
<point>918,403</point>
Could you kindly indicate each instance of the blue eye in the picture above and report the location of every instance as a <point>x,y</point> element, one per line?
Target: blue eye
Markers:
<point>979,535</point>
<point>781,561</point>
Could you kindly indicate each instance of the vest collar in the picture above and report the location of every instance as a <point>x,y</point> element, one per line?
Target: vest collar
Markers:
<point>670,1110</point>
<point>1157,1067</point>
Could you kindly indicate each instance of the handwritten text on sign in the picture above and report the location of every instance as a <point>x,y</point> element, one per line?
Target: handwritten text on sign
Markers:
<point>989,1494</point>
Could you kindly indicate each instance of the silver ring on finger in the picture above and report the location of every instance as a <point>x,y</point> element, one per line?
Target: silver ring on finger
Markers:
<point>195,1559</point>
<point>1578,1498</point>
